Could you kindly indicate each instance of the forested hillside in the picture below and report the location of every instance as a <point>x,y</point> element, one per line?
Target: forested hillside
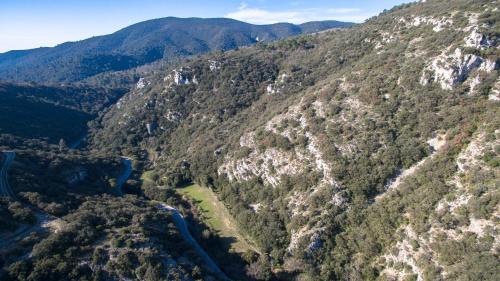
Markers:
<point>143,43</point>
<point>346,155</point>
<point>51,112</point>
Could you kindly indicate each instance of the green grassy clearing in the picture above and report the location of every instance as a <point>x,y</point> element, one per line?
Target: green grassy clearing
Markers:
<point>217,216</point>
<point>146,176</point>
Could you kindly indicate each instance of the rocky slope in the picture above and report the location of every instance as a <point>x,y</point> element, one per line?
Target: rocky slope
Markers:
<point>370,153</point>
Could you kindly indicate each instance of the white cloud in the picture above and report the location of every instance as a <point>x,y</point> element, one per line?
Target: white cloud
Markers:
<point>262,16</point>
<point>259,16</point>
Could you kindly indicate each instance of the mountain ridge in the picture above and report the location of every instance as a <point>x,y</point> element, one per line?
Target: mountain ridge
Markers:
<point>142,43</point>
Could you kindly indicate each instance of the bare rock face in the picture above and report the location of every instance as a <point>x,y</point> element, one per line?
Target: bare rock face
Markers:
<point>451,69</point>
<point>269,165</point>
<point>278,85</point>
<point>141,84</point>
<point>438,24</point>
<point>477,40</point>
<point>173,116</point>
<point>271,89</point>
<point>182,76</point>
<point>214,65</point>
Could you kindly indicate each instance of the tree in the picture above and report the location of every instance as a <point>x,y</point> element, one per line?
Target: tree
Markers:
<point>261,269</point>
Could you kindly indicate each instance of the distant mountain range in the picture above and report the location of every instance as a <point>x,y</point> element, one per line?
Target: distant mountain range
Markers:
<point>142,43</point>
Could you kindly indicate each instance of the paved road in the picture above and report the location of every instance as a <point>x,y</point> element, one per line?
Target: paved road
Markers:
<point>178,220</point>
<point>127,171</point>
<point>44,218</point>
<point>5,189</point>
<point>182,227</point>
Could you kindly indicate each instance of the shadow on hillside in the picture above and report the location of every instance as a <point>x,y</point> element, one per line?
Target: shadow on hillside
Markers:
<point>219,249</point>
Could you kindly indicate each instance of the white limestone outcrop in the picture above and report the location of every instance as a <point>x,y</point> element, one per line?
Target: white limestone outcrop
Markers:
<point>451,69</point>
<point>141,83</point>
<point>182,76</point>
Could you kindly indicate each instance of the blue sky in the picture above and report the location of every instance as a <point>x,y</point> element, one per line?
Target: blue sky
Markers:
<point>34,23</point>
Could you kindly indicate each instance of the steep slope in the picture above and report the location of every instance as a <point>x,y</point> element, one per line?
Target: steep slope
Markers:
<point>340,152</point>
<point>143,43</point>
<point>53,112</point>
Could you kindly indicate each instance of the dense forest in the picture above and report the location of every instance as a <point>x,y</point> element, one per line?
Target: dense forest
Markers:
<point>367,153</point>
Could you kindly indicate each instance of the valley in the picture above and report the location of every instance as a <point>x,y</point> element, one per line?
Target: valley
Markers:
<point>213,149</point>
<point>214,213</point>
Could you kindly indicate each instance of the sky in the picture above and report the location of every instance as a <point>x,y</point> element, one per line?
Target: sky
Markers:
<point>26,24</point>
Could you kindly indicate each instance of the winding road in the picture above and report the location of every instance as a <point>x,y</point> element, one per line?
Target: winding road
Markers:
<point>182,227</point>
<point>127,163</point>
<point>43,219</point>
<point>5,189</point>
<point>179,221</point>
